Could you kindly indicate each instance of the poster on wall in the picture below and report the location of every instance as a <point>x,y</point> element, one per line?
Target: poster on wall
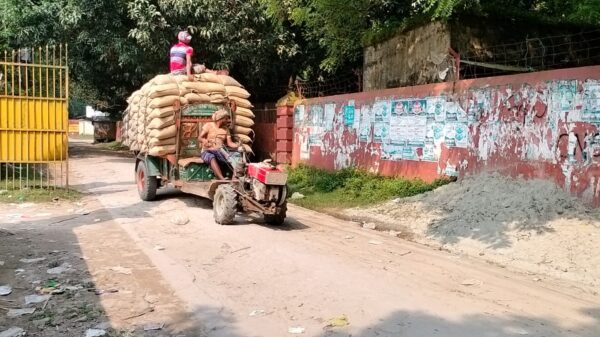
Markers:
<point>349,111</point>
<point>436,108</point>
<point>400,108</point>
<point>316,115</point>
<point>591,101</point>
<point>381,131</point>
<point>315,137</point>
<point>381,111</point>
<point>329,115</point>
<point>418,106</point>
<point>299,114</point>
<point>429,152</point>
<point>304,147</point>
<point>408,130</point>
<point>365,125</point>
<point>392,152</point>
<point>563,95</point>
<point>357,117</point>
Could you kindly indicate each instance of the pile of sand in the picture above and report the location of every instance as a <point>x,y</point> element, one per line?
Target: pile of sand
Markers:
<point>530,225</point>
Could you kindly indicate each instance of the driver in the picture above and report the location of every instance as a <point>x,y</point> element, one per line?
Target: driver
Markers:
<point>213,137</point>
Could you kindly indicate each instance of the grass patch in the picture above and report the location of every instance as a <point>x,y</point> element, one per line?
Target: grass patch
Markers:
<point>14,194</point>
<point>114,146</point>
<point>350,187</point>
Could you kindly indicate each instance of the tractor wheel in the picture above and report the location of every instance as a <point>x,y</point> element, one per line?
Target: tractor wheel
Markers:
<point>225,204</point>
<point>146,184</point>
<point>279,218</point>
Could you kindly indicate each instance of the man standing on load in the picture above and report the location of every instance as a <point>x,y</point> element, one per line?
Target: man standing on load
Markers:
<point>212,137</point>
<point>181,55</point>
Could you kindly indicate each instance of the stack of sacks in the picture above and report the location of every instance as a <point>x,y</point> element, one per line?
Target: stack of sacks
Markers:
<point>149,120</point>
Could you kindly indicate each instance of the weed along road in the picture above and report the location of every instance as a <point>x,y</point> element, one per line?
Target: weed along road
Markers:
<point>314,276</point>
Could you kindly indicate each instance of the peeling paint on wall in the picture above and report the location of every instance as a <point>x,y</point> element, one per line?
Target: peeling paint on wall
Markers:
<point>542,125</point>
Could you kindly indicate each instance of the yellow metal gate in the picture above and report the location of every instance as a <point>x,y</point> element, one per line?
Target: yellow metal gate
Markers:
<point>34,95</point>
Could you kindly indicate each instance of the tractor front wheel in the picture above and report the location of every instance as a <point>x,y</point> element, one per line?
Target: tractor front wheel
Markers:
<point>225,204</point>
<point>278,218</point>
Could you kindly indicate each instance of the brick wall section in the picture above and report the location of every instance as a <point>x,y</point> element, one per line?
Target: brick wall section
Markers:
<point>285,133</point>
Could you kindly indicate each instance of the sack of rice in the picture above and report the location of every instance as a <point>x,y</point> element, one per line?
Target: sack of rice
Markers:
<point>247,148</point>
<point>241,102</point>
<point>228,80</point>
<point>161,123</point>
<point>162,150</point>
<point>158,142</point>
<point>243,130</point>
<point>244,112</point>
<point>237,91</point>
<point>161,112</point>
<point>243,138</point>
<point>164,90</point>
<point>168,132</point>
<point>217,99</point>
<point>208,77</point>
<point>243,121</point>
<point>204,87</point>
<point>163,79</point>
<point>161,102</point>
<point>194,98</point>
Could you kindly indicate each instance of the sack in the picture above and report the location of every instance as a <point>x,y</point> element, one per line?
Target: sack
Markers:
<point>230,81</point>
<point>168,132</point>
<point>243,130</point>
<point>244,112</point>
<point>163,79</point>
<point>217,99</point>
<point>193,98</point>
<point>159,142</point>
<point>161,102</point>
<point>162,150</point>
<point>208,77</point>
<point>241,102</point>
<point>204,87</point>
<point>244,121</point>
<point>161,112</point>
<point>247,148</point>
<point>161,123</point>
<point>243,138</point>
<point>237,91</point>
<point>164,90</point>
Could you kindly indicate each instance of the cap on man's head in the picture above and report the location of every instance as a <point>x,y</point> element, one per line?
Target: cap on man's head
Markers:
<point>220,114</point>
<point>184,36</point>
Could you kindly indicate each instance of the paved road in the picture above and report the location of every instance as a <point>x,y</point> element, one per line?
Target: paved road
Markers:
<point>250,279</point>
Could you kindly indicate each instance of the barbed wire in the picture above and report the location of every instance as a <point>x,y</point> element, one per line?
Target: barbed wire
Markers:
<point>533,54</point>
<point>350,82</point>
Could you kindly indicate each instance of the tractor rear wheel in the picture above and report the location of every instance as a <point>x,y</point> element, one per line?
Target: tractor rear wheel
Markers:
<point>279,218</point>
<point>146,184</point>
<point>225,204</point>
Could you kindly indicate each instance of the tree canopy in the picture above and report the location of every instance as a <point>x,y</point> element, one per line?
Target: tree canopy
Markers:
<point>116,45</point>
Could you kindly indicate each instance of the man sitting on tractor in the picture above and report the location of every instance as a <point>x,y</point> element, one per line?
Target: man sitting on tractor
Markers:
<point>212,137</point>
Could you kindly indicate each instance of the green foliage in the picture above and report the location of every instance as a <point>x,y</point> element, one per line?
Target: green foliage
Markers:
<point>351,187</point>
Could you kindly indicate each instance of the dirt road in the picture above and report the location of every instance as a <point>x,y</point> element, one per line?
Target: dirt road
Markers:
<point>249,279</point>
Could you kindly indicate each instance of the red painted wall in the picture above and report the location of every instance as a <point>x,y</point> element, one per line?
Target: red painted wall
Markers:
<point>265,143</point>
<point>536,125</point>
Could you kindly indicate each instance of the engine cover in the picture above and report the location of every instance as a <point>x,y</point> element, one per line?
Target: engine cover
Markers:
<point>267,174</point>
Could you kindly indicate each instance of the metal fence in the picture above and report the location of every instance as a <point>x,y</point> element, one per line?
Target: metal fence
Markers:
<point>34,95</point>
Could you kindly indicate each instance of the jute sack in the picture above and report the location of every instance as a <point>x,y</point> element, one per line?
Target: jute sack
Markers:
<point>228,80</point>
<point>133,95</point>
<point>143,148</point>
<point>204,87</point>
<point>163,79</point>
<point>161,150</point>
<point>243,121</point>
<point>161,112</point>
<point>208,77</point>
<point>243,130</point>
<point>146,87</point>
<point>164,90</point>
<point>161,102</point>
<point>236,91</point>
<point>139,139</point>
<point>197,98</point>
<point>161,123</point>
<point>243,138</point>
<point>158,142</point>
<point>168,132</point>
<point>244,112</point>
<point>241,102</point>
<point>247,148</point>
<point>217,98</point>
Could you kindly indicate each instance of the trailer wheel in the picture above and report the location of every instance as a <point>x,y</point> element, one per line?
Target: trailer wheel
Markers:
<point>146,184</point>
<point>279,218</point>
<point>225,204</point>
